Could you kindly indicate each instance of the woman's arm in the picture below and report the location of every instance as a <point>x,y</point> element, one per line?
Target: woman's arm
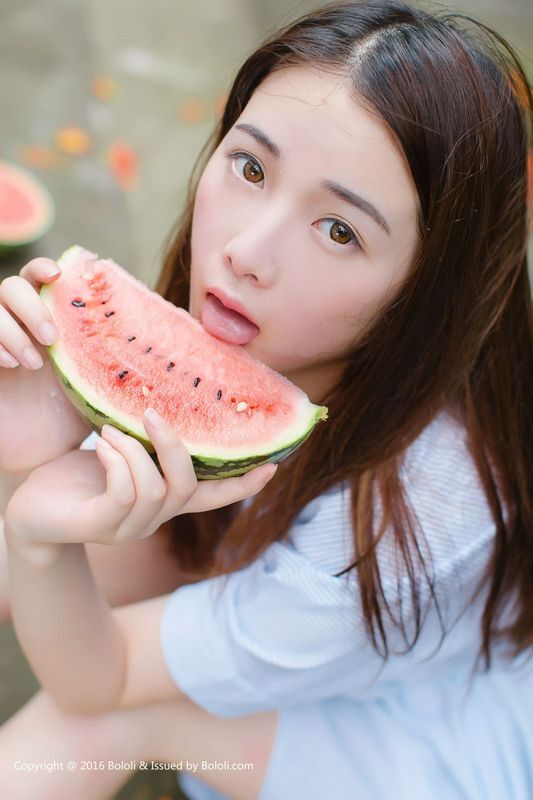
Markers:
<point>65,626</point>
<point>88,657</point>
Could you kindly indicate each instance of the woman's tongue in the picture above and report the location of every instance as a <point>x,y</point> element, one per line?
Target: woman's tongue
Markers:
<point>230,326</point>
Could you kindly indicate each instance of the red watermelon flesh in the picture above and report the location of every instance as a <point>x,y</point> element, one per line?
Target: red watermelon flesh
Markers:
<point>122,348</point>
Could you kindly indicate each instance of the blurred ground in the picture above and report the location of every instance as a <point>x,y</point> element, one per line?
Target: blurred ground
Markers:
<point>148,77</point>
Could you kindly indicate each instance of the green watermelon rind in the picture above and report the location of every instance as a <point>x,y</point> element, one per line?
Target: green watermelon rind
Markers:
<point>207,467</point>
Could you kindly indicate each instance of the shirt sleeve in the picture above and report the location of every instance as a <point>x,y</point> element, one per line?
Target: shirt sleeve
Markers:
<point>281,632</point>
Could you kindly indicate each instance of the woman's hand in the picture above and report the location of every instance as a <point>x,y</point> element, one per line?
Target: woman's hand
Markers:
<point>37,421</point>
<point>117,495</point>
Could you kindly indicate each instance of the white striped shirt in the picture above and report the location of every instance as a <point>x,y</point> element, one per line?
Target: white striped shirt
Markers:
<point>286,630</point>
<point>286,634</point>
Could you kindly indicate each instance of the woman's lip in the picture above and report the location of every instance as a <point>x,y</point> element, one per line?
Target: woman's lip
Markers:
<point>233,305</point>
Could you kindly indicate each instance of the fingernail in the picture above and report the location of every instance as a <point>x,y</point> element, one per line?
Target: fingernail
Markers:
<point>32,358</point>
<point>153,418</point>
<point>111,431</point>
<point>269,472</point>
<point>47,332</point>
<point>7,359</point>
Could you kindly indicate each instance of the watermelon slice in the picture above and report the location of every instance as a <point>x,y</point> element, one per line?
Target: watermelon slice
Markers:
<point>122,348</point>
<point>26,207</point>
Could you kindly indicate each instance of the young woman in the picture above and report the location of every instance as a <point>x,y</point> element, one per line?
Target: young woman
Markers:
<point>362,625</point>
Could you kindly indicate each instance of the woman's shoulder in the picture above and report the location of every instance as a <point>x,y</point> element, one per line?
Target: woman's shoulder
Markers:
<point>443,441</point>
<point>439,474</point>
<point>443,491</point>
<point>447,501</point>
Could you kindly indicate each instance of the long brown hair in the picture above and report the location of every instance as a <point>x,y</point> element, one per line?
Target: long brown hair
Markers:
<point>457,335</point>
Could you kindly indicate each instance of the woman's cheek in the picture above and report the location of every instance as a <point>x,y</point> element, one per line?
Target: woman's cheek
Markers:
<point>204,193</point>
<point>203,219</point>
<point>211,205</point>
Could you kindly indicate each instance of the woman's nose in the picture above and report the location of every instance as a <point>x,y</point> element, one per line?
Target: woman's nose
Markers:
<point>255,249</point>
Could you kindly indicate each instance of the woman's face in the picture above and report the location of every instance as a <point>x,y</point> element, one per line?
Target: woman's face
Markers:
<point>312,265</point>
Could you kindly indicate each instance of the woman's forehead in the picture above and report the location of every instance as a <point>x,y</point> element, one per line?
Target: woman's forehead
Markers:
<point>315,121</point>
<point>319,101</point>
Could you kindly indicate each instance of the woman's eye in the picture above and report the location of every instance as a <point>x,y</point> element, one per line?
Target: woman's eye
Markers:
<point>340,233</point>
<point>251,171</point>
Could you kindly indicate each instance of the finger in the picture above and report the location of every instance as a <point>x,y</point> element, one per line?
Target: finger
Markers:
<point>17,343</point>
<point>6,359</point>
<point>40,270</point>
<point>22,300</point>
<point>150,486</point>
<point>104,514</point>
<point>216,494</point>
<point>174,459</point>
<point>186,494</point>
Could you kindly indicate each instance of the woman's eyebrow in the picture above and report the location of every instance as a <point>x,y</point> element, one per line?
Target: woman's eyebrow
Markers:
<point>359,202</point>
<point>261,137</point>
<point>342,192</point>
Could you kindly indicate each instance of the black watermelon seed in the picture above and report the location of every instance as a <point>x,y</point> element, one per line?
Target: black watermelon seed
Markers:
<point>124,372</point>
<point>197,381</point>
<point>147,349</point>
<point>219,394</point>
<point>108,313</point>
<point>78,303</point>
<point>104,302</point>
<point>131,338</point>
<point>170,365</point>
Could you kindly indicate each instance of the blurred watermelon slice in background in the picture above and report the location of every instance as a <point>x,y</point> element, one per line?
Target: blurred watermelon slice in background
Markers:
<point>27,210</point>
